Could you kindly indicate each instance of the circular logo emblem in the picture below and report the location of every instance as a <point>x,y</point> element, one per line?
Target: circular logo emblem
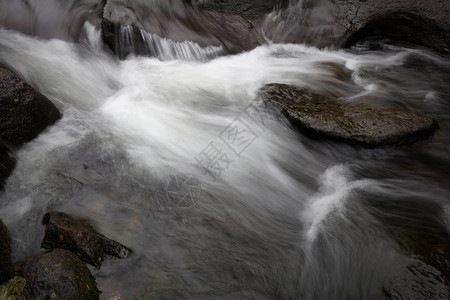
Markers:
<point>184,190</point>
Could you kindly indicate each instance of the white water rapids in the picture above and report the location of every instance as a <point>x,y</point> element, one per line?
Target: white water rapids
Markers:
<point>288,218</point>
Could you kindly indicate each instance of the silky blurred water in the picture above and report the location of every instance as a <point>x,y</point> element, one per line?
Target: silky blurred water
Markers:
<point>287,216</point>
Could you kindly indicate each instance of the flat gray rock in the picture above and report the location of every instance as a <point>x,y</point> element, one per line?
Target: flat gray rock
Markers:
<point>354,123</point>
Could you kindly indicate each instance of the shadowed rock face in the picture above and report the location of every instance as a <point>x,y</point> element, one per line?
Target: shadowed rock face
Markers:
<point>5,254</point>
<point>24,112</point>
<point>79,237</point>
<point>355,123</point>
<point>56,274</point>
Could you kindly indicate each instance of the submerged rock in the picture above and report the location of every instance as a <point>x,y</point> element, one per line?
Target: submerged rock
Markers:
<point>7,163</point>
<point>6,270</point>
<point>355,123</point>
<point>56,274</point>
<point>24,112</point>
<point>79,237</point>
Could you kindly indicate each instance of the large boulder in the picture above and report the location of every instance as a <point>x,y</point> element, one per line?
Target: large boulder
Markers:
<point>24,112</point>
<point>355,123</point>
<point>424,23</point>
<point>7,163</point>
<point>5,254</point>
<point>79,237</point>
<point>56,274</point>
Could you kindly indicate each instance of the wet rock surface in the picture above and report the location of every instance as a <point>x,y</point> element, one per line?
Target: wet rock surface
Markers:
<point>24,112</point>
<point>79,237</point>
<point>5,254</point>
<point>56,274</point>
<point>355,123</point>
<point>7,163</point>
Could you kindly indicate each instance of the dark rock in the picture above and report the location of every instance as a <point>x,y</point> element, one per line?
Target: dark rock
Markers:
<point>355,13</point>
<point>79,237</point>
<point>14,289</point>
<point>356,123</point>
<point>403,28</point>
<point>24,113</point>
<point>423,23</point>
<point>7,163</point>
<point>6,270</point>
<point>56,274</point>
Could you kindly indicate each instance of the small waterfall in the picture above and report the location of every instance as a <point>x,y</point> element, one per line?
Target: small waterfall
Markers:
<point>140,42</point>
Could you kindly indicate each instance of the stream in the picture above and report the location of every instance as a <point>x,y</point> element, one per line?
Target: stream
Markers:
<point>278,215</point>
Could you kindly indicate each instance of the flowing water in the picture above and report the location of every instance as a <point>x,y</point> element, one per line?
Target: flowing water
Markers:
<point>284,217</point>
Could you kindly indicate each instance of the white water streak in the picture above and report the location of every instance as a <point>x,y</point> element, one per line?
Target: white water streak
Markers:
<point>330,201</point>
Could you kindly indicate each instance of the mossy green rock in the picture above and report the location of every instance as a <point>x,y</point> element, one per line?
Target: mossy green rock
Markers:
<point>13,289</point>
<point>56,274</point>
<point>361,124</point>
<point>5,254</point>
